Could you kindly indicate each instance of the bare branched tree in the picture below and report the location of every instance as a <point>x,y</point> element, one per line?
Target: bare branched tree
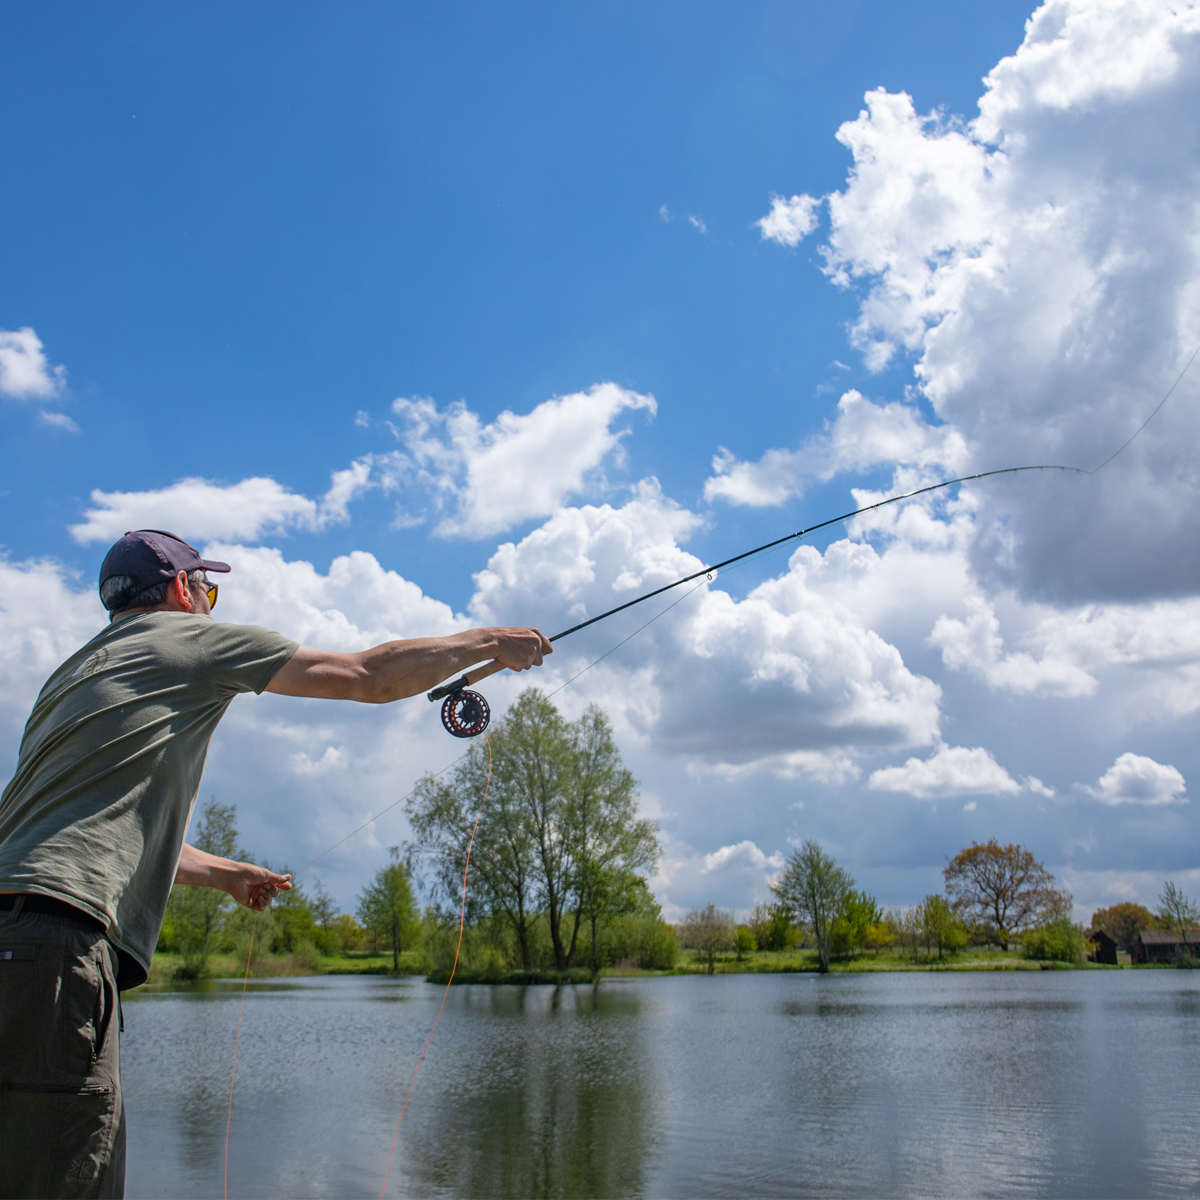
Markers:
<point>1180,912</point>
<point>709,932</point>
<point>1003,884</point>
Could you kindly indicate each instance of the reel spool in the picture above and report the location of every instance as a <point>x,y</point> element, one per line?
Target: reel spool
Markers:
<point>465,714</point>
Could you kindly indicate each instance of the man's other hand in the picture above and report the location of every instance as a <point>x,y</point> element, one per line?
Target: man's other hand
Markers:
<point>248,883</point>
<point>255,887</point>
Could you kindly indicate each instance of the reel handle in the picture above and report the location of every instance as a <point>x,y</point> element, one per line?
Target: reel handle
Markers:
<point>468,680</point>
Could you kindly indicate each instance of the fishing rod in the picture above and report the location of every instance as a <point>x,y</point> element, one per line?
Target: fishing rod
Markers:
<point>465,713</point>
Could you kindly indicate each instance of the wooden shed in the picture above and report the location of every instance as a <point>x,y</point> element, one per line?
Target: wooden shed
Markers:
<point>1163,945</point>
<point>1106,948</point>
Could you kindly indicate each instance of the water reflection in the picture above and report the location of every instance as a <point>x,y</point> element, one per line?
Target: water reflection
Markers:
<point>1057,1083</point>
<point>554,1099</point>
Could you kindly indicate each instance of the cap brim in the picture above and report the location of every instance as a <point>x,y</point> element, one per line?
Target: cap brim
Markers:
<point>210,565</point>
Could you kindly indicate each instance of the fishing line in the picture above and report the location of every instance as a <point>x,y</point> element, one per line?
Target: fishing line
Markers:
<point>236,1040</point>
<point>456,694</point>
<point>462,920</point>
<point>465,713</point>
<point>462,913</point>
<point>1151,416</point>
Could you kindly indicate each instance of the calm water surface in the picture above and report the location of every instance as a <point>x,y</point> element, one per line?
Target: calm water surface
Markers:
<point>1035,1083</point>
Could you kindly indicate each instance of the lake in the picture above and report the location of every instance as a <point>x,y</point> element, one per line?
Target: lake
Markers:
<point>1055,1083</point>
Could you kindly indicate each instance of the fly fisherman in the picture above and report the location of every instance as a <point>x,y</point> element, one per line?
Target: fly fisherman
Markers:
<point>92,827</point>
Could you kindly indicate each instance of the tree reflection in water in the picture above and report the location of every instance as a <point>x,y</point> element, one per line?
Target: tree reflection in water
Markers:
<point>553,1100</point>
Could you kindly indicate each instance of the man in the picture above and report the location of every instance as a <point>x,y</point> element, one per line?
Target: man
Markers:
<point>92,832</point>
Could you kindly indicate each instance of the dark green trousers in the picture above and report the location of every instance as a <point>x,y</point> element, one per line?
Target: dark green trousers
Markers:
<point>62,1123</point>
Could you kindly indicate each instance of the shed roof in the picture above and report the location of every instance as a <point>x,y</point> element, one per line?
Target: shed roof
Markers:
<point>1166,937</point>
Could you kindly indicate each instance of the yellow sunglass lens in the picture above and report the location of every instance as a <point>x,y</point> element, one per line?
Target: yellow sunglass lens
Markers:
<point>212,596</point>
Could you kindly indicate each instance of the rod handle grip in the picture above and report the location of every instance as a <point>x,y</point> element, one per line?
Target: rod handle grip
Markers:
<point>467,680</point>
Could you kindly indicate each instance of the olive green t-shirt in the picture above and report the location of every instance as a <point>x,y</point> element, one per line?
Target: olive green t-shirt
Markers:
<point>110,765</point>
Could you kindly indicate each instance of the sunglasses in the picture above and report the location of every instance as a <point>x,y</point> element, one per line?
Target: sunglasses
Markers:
<point>211,592</point>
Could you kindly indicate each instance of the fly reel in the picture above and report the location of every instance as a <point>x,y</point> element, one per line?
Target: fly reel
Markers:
<point>465,714</point>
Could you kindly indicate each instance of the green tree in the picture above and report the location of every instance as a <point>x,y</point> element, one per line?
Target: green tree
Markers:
<point>640,936</point>
<point>1056,938</point>
<point>293,928</point>
<point>1180,913</point>
<point>941,926</point>
<point>325,913</point>
<point>772,926</point>
<point>880,936</point>
<point>1123,922</point>
<point>196,915</point>
<point>709,932</point>
<point>388,909</point>
<point>535,766</point>
<point>502,877</point>
<point>610,844</point>
<point>346,932</point>
<point>852,927</point>
<point>1005,885</point>
<point>814,887</point>
<point>559,837</point>
<point>746,943</point>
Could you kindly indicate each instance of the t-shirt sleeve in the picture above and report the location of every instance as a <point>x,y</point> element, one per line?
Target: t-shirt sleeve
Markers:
<point>244,658</point>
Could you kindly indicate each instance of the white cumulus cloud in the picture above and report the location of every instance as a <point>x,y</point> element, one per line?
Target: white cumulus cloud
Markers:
<point>25,372</point>
<point>862,436</point>
<point>45,615</point>
<point>744,854</point>
<point>790,221</point>
<point>1068,650</point>
<point>787,678</point>
<point>1041,268</point>
<point>1136,779</point>
<point>952,771</point>
<point>200,509</point>
<point>486,478</point>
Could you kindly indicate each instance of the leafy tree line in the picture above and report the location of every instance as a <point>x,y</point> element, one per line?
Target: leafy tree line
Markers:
<point>994,894</point>
<point>303,922</point>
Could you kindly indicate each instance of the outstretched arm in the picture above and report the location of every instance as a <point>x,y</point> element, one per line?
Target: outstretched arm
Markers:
<point>249,884</point>
<point>406,668</point>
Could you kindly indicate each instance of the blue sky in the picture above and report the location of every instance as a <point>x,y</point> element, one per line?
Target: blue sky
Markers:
<point>238,227</point>
<point>245,233</point>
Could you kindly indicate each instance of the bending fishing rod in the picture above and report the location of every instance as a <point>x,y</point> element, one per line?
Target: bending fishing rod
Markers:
<point>466,713</point>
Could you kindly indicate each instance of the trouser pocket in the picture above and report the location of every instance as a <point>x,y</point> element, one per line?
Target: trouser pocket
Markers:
<point>58,1140</point>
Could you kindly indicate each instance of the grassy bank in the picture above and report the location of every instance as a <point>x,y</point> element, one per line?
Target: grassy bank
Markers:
<point>802,961</point>
<point>168,968</point>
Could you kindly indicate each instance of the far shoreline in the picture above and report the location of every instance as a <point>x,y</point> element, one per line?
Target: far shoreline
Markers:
<point>168,970</point>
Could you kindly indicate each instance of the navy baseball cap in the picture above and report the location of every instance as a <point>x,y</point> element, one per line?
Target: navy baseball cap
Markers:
<point>151,556</point>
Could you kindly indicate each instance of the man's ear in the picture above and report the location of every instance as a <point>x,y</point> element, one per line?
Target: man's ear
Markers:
<point>183,593</point>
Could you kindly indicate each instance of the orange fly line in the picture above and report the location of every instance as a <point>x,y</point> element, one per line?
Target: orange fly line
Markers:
<point>462,920</point>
